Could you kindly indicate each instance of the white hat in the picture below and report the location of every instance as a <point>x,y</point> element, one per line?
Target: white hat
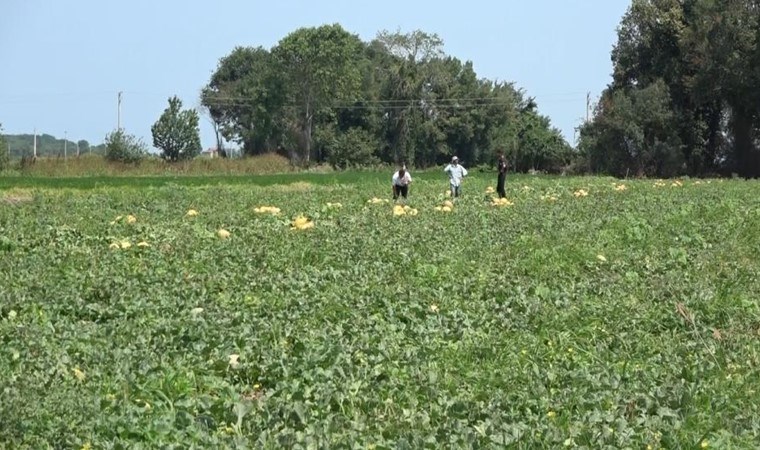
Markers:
<point>455,159</point>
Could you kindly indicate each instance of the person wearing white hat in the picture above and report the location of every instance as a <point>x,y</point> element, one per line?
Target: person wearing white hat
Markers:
<point>456,172</point>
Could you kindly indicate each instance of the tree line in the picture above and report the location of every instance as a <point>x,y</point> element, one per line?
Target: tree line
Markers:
<point>21,145</point>
<point>684,99</point>
<point>685,94</point>
<point>324,95</point>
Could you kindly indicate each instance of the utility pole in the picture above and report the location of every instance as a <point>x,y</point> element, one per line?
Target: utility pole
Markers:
<point>118,112</point>
<point>65,142</point>
<point>77,149</point>
<point>588,105</point>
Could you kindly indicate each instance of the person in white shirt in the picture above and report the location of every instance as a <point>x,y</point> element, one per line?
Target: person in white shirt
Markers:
<point>401,181</point>
<point>456,172</point>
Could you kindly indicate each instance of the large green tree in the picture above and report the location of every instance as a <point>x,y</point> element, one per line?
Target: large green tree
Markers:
<point>722,45</point>
<point>83,146</point>
<point>407,77</point>
<point>245,100</point>
<point>176,132</point>
<point>705,52</point>
<point>634,133</point>
<point>321,69</point>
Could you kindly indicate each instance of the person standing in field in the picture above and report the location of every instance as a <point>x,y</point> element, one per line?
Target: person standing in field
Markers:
<point>456,172</point>
<point>401,181</point>
<point>502,168</point>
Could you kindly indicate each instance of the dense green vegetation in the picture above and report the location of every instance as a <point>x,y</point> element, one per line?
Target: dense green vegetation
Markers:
<point>685,95</point>
<point>93,182</point>
<point>153,165</point>
<point>587,314</point>
<point>152,302</point>
<point>322,94</point>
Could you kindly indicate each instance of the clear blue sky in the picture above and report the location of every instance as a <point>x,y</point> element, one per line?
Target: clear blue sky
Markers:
<point>62,62</point>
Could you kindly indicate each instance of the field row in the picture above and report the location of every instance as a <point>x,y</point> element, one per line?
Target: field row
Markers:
<point>578,314</point>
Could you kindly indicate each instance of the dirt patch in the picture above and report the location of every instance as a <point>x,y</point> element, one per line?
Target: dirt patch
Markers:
<point>16,196</point>
<point>300,186</point>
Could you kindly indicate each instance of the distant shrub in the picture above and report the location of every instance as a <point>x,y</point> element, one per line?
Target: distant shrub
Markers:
<point>123,147</point>
<point>5,159</point>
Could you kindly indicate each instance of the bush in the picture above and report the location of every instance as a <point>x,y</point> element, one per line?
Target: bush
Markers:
<point>123,147</point>
<point>5,159</point>
<point>352,148</point>
<point>578,166</point>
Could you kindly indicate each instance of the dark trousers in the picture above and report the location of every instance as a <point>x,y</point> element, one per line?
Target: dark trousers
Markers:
<point>400,191</point>
<point>500,185</point>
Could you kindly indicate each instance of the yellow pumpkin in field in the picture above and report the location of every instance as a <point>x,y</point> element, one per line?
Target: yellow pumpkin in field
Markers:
<point>501,202</point>
<point>78,374</point>
<point>273,210</point>
<point>581,193</point>
<point>301,223</point>
<point>549,198</point>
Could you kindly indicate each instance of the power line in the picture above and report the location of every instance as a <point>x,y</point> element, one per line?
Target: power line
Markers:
<point>10,98</point>
<point>440,103</point>
<point>515,100</point>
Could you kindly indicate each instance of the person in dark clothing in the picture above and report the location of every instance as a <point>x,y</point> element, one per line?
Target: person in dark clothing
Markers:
<point>502,167</point>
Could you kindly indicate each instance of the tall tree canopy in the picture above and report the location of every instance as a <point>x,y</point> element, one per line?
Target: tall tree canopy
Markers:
<point>321,94</point>
<point>685,95</point>
<point>245,99</point>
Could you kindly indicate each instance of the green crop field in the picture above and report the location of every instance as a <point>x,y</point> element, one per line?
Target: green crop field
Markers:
<point>585,313</point>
